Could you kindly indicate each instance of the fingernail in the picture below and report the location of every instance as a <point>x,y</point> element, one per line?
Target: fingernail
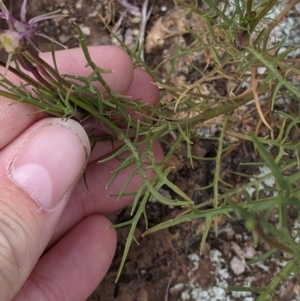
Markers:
<point>50,161</point>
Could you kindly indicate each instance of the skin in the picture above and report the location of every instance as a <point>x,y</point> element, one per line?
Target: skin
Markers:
<point>63,254</point>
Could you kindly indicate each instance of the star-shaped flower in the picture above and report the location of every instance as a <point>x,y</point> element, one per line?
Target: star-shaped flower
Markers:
<point>20,32</point>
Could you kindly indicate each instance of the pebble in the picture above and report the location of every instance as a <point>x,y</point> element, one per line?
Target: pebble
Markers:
<point>237,266</point>
<point>93,14</point>
<point>78,5</point>
<point>65,12</point>
<point>86,30</point>
<point>64,38</point>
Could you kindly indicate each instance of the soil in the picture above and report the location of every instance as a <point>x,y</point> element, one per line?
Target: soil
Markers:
<point>167,265</point>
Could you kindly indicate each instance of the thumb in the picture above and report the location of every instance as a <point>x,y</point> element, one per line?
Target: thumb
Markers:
<point>38,171</point>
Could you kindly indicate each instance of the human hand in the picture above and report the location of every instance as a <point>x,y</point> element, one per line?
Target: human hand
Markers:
<point>55,243</point>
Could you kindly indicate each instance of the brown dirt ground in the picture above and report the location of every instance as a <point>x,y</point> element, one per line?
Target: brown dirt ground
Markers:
<point>167,266</point>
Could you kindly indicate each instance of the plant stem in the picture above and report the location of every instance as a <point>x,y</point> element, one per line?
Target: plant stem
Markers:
<point>287,8</point>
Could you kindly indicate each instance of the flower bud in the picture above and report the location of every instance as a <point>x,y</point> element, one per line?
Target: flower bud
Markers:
<point>10,40</point>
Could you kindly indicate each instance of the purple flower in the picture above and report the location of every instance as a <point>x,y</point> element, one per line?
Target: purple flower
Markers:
<point>20,32</point>
<point>10,40</point>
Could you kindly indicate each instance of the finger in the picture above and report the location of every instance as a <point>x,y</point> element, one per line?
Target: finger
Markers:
<point>38,171</point>
<point>74,267</point>
<point>142,90</point>
<point>112,58</point>
<point>16,117</point>
<point>143,87</point>
<point>97,198</point>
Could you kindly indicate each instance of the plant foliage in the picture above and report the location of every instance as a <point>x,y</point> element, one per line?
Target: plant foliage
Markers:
<point>237,46</point>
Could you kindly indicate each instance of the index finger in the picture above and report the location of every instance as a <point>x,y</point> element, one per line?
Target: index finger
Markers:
<point>16,117</point>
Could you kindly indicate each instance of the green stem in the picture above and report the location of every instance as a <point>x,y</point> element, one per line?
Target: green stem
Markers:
<point>284,273</point>
<point>266,32</point>
<point>27,79</point>
<point>33,57</point>
<point>44,68</point>
<point>269,240</point>
<point>249,6</point>
<point>262,14</point>
<point>9,95</point>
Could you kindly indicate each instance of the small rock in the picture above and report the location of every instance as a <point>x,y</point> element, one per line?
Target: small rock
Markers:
<point>86,30</point>
<point>65,12</point>
<point>78,5</point>
<point>174,290</point>
<point>237,266</point>
<point>249,252</point>
<point>64,38</point>
<point>93,14</point>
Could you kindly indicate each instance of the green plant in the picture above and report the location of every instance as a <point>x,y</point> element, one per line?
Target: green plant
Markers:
<point>235,47</point>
